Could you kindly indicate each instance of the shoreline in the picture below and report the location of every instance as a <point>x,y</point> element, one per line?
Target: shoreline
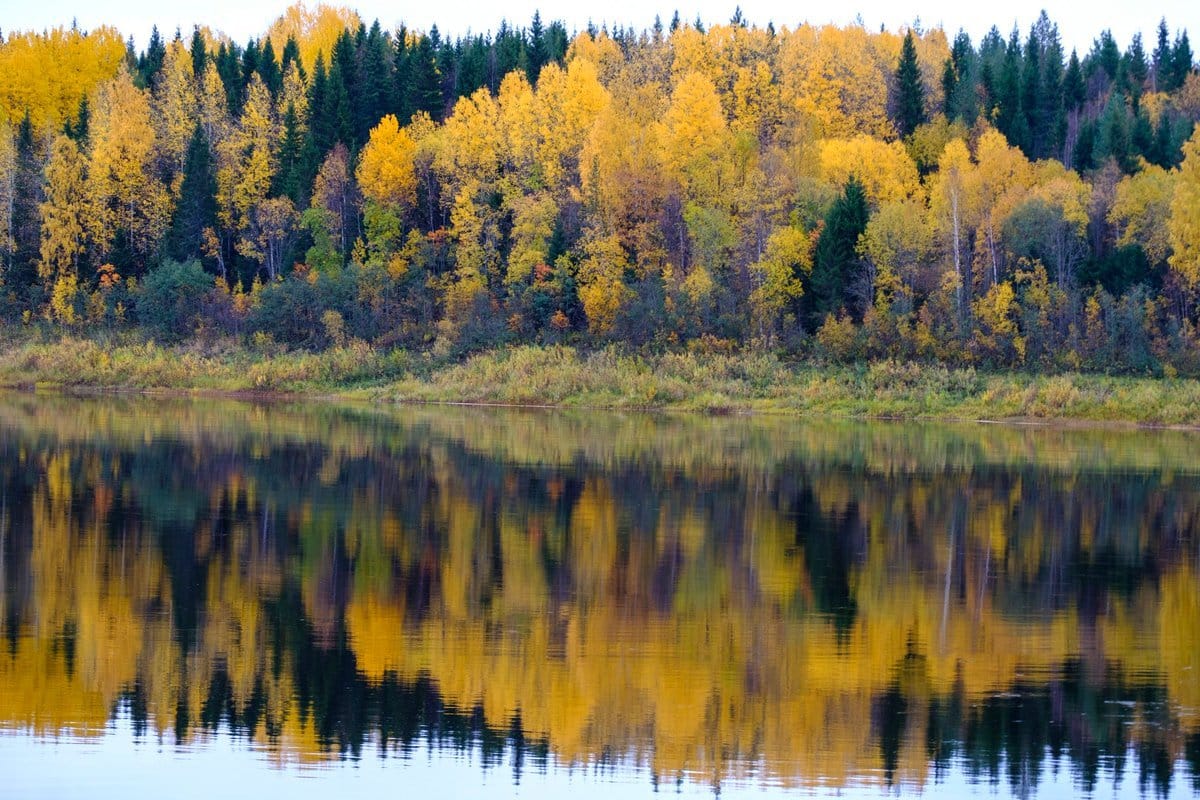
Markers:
<point>556,377</point>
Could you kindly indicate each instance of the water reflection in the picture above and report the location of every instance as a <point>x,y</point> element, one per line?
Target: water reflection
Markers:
<point>720,601</point>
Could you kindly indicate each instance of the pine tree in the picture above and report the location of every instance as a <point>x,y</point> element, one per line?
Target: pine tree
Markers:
<point>909,102</point>
<point>836,257</point>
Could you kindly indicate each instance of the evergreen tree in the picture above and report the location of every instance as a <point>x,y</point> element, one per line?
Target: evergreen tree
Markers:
<point>78,130</point>
<point>378,84</point>
<point>320,126</point>
<point>537,47</point>
<point>909,98</point>
<point>962,103</point>
<point>1084,159</point>
<point>1134,66</point>
<point>1105,56</point>
<point>336,112</point>
<point>344,87</point>
<point>291,55</point>
<point>288,180</point>
<point>1112,134</point>
<point>1181,62</point>
<point>1162,58</point>
<point>1074,87</point>
<point>1142,136</point>
<point>425,81</point>
<point>152,60</point>
<point>251,63</point>
<point>268,69</point>
<point>229,68</point>
<point>1031,94</point>
<point>27,215</point>
<point>835,258</point>
<point>1010,118</point>
<point>197,206</point>
<point>199,52</point>
<point>402,76</point>
<point>1052,115</point>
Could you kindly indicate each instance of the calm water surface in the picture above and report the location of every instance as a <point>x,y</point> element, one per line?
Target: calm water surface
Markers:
<point>206,598</point>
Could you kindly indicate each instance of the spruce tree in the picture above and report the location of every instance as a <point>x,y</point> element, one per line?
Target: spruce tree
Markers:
<point>336,112</point>
<point>835,258</point>
<point>27,199</point>
<point>909,102</point>
<point>425,83</point>
<point>288,180</point>
<point>320,127</point>
<point>1074,87</point>
<point>268,69</point>
<point>377,85</point>
<point>199,53</point>
<point>197,206</point>
<point>1162,58</point>
<point>291,55</point>
<point>151,61</point>
<point>1181,61</point>
<point>537,46</point>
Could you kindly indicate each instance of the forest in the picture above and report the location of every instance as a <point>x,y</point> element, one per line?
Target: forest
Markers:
<point>831,192</point>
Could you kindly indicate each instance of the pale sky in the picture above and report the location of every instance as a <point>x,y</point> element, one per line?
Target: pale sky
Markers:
<point>1078,22</point>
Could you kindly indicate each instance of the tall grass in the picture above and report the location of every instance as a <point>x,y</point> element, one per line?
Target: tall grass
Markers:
<point>608,378</point>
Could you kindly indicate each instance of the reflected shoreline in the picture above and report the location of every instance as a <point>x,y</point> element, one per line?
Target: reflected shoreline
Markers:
<point>820,603</point>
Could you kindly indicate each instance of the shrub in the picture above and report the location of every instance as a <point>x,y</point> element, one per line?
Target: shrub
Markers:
<point>172,298</point>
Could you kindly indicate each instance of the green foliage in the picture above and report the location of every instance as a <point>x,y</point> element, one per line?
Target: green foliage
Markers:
<point>171,300</point>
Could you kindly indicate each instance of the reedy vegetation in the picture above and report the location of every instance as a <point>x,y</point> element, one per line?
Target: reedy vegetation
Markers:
<point>827,191</point>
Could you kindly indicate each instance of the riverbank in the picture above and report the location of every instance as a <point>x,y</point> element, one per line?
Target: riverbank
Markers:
<point>608,378</point>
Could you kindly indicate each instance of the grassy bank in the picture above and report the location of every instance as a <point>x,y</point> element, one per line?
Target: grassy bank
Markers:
<point>608,378</point>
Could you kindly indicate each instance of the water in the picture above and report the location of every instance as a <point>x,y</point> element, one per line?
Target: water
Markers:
<point>203,597</point>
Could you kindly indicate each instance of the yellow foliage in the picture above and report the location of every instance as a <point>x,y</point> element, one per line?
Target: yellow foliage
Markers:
<point>1141,209</point>
<point>49,73</point>
<point>885,169</point>
<point>1184,222</point>
<point>123,190</point>
<point>315,30</point>
<point>385,169</point>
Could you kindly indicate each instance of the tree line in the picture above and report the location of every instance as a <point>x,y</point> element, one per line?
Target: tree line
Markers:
<point>851,193</point>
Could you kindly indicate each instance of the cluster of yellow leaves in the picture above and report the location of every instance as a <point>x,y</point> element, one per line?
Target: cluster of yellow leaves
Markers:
<point>315,30</point>
<point>48,74</point>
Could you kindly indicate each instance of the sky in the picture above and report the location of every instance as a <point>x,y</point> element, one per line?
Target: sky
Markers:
<point>1079,22</point>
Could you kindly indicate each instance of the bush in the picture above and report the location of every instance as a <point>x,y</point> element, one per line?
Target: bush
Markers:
<point>172,298</point>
